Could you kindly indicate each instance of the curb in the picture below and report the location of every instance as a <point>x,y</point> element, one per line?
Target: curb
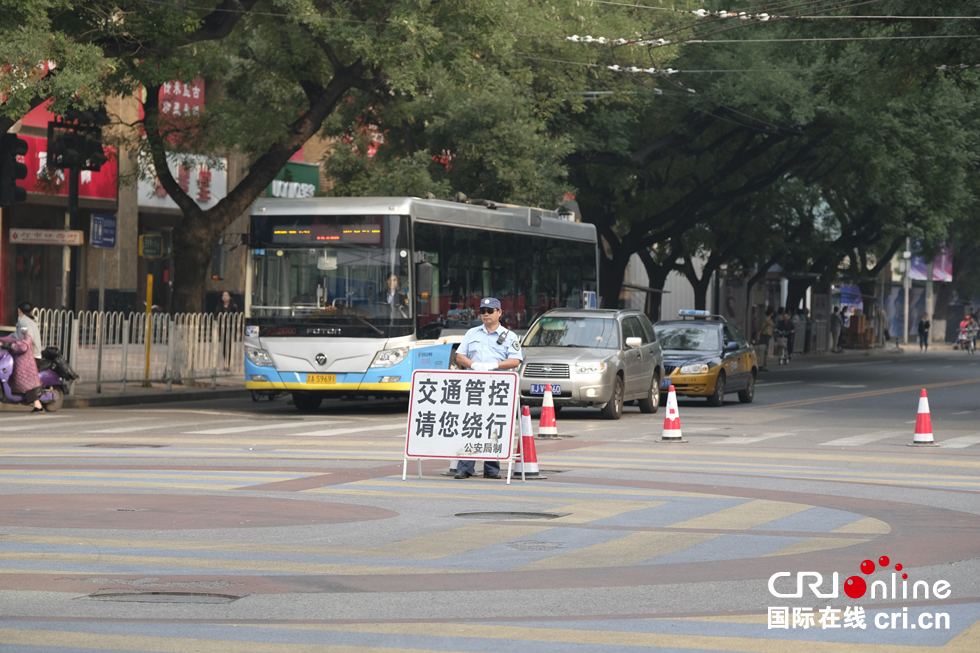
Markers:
<point>155,398</point>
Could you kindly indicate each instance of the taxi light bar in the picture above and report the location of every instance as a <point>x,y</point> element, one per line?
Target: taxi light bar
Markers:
<point>688,312</point>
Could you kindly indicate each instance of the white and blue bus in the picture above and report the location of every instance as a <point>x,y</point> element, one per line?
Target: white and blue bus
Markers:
<point>349,296</point>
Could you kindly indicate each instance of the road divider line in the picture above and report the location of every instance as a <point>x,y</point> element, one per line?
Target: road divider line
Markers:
<point>360,429</point>
<point>756,438</point>
<point>268,427</point>
<point>870,393</point>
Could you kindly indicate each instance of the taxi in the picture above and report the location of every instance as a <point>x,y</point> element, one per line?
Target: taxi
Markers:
<point>706,356</point>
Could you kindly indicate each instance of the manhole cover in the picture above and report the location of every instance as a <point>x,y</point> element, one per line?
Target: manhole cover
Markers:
<point>165,597</point>
<point>532,545</point>
<point>109,445</point>
<point>508,515</point>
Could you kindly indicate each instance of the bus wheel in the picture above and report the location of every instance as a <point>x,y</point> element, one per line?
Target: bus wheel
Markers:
<point>305,401</point>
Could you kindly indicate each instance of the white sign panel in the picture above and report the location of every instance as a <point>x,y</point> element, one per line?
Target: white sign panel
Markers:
<point>46,237</point>
<point>206,186</point>
<point>459,414</point>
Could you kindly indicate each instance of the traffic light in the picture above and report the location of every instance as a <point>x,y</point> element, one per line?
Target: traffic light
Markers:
<point>75,141</point>
<point>11,170</point>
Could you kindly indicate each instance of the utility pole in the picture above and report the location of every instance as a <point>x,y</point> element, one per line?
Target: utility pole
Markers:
<point>907,284</point>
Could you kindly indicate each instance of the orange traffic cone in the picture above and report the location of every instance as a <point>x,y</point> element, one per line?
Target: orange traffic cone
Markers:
<point>923,424</point>
<point>548,427</point>
<point>528,467</point>
<point>672,420</point>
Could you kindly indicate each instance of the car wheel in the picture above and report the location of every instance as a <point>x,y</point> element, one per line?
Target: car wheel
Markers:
<point>746,396</point>
<point>652,402</point>
<point>305,401</point>
<point>718,398</point>
<point>614,409</point>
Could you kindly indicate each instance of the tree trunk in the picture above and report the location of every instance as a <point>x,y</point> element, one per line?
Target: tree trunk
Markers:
<point>657,278</point>
<point>193,243</point>
<point>796,293</point>
<point>611,273</point>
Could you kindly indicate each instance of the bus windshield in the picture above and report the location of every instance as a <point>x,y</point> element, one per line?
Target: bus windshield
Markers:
<point>324,268</point>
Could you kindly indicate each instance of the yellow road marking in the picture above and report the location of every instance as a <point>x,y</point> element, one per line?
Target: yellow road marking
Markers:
<point>745,516</point>
<point>621,552</point>
<point>866,525</point>
<point>458,540</point>
<point>815,544</point>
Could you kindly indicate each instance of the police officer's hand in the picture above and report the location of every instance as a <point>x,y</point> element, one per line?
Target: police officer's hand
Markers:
<point>483,367</point>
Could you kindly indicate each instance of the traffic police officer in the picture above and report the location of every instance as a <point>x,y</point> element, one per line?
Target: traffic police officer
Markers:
<point>486,348</point>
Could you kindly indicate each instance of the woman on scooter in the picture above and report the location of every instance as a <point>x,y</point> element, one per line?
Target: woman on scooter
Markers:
<point>25,379</point>
<point>25,320</point>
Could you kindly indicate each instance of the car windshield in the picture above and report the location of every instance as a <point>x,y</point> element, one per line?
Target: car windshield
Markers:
<point>688,337</point>
<point>591,332</point>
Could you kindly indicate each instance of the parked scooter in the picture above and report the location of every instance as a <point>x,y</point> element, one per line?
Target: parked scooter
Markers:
<point>56,379</point>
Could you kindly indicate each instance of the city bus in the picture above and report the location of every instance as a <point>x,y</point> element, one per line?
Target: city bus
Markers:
<point>347,297</point>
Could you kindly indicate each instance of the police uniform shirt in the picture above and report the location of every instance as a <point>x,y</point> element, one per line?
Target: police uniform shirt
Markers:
<point>481,347</point>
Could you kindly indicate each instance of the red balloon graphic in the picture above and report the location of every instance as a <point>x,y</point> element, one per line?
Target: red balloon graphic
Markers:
<point>883,561</point>
<point>867,567</point>
<point>855,587</point>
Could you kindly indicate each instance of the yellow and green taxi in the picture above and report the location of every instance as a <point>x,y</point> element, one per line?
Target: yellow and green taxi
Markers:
<point>706,356</point>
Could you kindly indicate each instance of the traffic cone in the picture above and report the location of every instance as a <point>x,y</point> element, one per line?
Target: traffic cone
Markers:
<point>672,420</point>
<point>529,456</point>
<point>923,424</point>
<point>548,427</point>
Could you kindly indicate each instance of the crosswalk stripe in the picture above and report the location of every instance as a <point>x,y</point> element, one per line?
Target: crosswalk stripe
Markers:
<point>157,424</point>
<point>267,427</point>
<point>855,440</point>
<point>380,427</point>
<point>960,443</point>
<point>756,438</point>
<point>30,418</point>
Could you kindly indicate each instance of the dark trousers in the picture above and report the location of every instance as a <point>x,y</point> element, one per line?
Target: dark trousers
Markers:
<point>470,466</point>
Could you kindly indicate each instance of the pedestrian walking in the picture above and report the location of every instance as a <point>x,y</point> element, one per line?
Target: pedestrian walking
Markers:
<point>836,325</point>
<point>226,304</point>
<point>486,348</point>
<point>923,330</point>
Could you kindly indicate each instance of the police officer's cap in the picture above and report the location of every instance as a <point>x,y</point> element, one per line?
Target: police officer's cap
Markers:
<point>490,302</point>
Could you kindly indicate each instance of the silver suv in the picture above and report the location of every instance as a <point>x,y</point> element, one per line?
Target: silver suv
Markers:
<point>593,357</point>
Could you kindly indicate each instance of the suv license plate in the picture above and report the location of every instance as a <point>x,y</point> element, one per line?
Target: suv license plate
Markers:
<point>321,378</point>
<point>538,388</point>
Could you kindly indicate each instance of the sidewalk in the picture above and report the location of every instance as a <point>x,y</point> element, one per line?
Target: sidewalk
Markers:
<point>85,395</point>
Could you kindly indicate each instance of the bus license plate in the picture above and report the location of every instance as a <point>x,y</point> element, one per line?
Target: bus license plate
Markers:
<point>321,378</point>
<point>538,388</point>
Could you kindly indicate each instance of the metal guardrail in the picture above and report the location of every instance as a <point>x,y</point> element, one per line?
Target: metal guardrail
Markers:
<point>116,347</point>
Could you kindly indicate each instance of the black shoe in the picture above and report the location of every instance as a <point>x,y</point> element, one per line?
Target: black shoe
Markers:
<point>38,410</point>
<point>496,476</point>
<point>462,475</point>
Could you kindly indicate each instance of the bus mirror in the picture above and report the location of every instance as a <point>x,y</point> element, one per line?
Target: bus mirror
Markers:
<point>423,278</point>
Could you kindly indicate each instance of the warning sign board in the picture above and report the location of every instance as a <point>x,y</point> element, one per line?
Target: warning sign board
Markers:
<point>461,414</point>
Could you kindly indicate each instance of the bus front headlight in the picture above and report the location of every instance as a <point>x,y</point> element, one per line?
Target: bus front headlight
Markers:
<point>259,357</point>
<point>389,357</point>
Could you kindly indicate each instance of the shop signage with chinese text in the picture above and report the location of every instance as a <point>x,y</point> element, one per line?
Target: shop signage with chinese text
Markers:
<point>46,237</point>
